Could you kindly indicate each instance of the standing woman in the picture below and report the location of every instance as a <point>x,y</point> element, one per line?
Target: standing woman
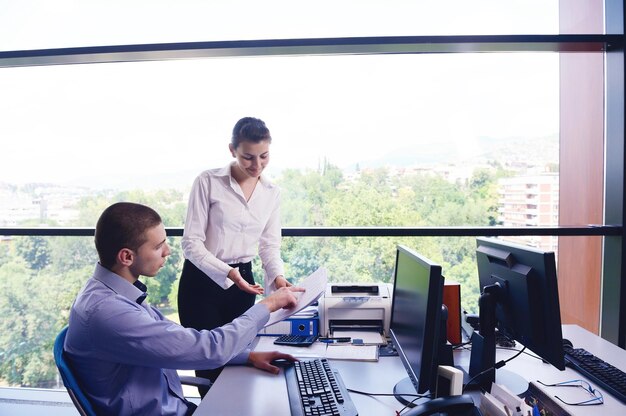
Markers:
<point>233,215</point>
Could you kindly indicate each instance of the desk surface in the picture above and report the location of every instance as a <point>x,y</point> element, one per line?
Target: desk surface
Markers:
<point>242,390</point>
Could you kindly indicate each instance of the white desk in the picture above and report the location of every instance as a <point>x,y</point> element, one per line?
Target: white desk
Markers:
<point>242,390</point>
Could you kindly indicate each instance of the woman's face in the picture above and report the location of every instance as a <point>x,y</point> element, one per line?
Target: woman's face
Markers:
<point>252,157</point>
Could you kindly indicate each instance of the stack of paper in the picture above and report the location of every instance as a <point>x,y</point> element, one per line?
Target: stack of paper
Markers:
<point>501,402</point>
<point>368,337</point>
<point>339,351</point>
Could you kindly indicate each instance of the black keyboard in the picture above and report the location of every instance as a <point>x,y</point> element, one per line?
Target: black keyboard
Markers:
<point>296,340</point>
<point>603,374</point>
<point>317,389</point>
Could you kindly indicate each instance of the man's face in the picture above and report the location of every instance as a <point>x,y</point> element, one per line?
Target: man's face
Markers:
<point>151,255</point>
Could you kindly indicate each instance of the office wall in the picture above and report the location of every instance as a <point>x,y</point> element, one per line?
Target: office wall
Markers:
<point>581,159</point>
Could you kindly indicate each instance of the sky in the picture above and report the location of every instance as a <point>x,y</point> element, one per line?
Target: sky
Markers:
<point>58,123</point>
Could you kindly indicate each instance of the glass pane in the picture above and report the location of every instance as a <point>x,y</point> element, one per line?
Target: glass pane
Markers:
<point>383,140</point>
<point>41,276</point>
<point>39,280</point>
<point>37,24</point>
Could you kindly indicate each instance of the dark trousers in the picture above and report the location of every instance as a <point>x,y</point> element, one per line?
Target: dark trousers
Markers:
<point>202,304</point>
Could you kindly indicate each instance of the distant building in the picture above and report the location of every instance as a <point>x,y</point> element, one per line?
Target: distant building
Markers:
<point>530,201</point>
<point>57,204</point>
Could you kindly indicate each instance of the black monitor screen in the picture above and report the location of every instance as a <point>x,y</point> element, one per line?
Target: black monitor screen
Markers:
<point>527,298</point>
<point>415,316</point>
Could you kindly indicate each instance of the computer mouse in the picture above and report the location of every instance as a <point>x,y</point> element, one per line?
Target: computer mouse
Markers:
<point>567,343</point>
<point>281,362</point>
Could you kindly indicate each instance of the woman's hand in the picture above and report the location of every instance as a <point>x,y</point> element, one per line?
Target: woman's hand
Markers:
<point>263,360</point>
<point>280,281</point>
<point>241,283</point>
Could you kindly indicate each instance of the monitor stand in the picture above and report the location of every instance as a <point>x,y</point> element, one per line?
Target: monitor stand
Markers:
<point>483,368</point>
<point>405,393</point>
<point>483,357</point>
<point>515,383</point>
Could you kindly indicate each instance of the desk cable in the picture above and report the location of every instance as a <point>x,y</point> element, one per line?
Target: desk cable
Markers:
<point>417,396</point>
<point>499,364</point>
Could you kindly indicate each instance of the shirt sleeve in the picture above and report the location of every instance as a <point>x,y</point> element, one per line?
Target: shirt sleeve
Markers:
<point>269,247</point>
<point>128,334</point>
<point>194,234</point>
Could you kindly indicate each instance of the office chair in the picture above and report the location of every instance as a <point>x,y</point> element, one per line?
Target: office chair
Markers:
<point>79,399</point>
<point>81,402</point>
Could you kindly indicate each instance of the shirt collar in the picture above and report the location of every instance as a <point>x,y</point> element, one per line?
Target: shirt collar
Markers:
<point>225,172</point>
<point>117,283</point>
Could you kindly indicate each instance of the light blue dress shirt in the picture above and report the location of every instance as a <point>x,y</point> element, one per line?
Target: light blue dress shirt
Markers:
<point>125,354</point>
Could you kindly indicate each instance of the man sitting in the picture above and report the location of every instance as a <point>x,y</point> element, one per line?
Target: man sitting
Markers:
<point>124,351</point>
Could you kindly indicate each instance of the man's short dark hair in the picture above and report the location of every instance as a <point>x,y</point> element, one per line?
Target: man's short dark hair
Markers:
<point>123,225</point>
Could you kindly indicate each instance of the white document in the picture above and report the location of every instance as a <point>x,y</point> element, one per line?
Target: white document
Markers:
<point>315,350</point>
<point>491,406</point>
<point>510,400</point>
<point>368,337</point>
<point>315,285</point>
<point>352,352</point>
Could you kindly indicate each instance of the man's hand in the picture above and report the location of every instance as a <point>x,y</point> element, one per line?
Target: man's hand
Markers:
<point>283,298</point>
<point>263,360</point>
<point>236,277</point>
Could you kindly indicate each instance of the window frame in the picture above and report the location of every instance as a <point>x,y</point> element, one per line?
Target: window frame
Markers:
<point>612,325</point>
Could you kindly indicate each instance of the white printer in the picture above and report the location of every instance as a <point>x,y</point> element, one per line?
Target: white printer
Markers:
<point>355,307</point>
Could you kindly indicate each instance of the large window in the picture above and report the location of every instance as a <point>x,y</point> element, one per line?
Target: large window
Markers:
<point>426,147</point>
<point>432,133</point>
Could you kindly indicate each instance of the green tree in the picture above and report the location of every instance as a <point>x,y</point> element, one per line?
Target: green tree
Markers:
<point>71,253</point>
<point>5,252</point>
<point>38,285</point>
<point>35,250</point>
<point>304,194</point>
<point>38,303</point>
<point>375,199</point>
<point>161,285</point>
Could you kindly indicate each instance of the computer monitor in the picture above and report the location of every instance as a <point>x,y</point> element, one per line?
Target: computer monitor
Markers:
<point>519,298</point>
<point>416,320</point>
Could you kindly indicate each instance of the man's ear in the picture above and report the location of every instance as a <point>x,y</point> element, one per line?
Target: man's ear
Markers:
<point>125,257</point>
<point>232,149</point>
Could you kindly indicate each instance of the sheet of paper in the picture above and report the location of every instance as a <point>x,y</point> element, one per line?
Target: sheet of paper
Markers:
<point>368,337</point>
<point>315,285</point>
<point>315,350</point>
<point>352,352</point>
<point>511,400</point>
<point>489,405</point>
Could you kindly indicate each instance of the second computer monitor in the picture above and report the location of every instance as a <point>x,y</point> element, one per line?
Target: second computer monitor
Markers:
<point>519,299</point>
<point>416,315</point>
<point>527,299</point>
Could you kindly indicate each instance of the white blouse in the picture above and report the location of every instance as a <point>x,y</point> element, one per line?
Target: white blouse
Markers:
<point>223,228</point>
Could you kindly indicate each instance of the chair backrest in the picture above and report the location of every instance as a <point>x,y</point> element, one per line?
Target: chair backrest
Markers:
<point>79,399</point>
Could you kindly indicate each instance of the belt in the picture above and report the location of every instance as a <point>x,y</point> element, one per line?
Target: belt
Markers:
<point>237,265</point>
